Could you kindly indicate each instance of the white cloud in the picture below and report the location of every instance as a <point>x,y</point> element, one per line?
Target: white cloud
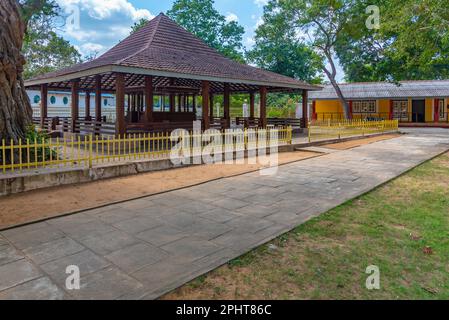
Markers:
<point>259,22</point>
<point>250,42</point>
<point>102,22</point>
<point>260,3</point>
<point>89,48</point>
<point>231,17</point>
<point>103,9</point>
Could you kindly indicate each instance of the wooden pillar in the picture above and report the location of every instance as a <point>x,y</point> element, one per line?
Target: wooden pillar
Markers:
<point>305,111</point>
<point>350,109</point>
<point>98,98</point>
<point>263,107</point>
<point>194,105</point>
<point>211,106</point>
<point>120,103</point>
<point>87,106</point>
<point>206,97</point>
<point>251,105</point>
<point>44,104</point>
<point>172,103</point>
<point>149,98</point>
<point>75,104</point>
<point>391,113</point>
<point>226,103</point>
<point>436,112</point>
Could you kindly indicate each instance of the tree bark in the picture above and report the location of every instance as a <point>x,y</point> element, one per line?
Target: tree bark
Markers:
<point>15,108</point>
<point>331,75</point>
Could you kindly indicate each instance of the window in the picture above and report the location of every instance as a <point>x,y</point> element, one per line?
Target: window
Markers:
<point>441,109</point>
<point>400,109</point>
<point>65,100</point>
<point>37,99</point>
<point>105,102</point>
<point>52,99</point>
<point>364,106</point>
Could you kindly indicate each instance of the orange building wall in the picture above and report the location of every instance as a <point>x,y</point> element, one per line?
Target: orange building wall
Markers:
<point>325,108</point>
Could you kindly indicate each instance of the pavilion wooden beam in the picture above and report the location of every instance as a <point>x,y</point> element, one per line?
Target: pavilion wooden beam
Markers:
<point>87,106</point>
<point>120,103</point>
<point>149,98</point>
<point>226,102</point>
<point>305,113</point>
<point>252,101</point>
<point>44,103</point>
<point>98,98</point>
<point>206,98</point>
<point>75,104</point>
<point>263,106</point>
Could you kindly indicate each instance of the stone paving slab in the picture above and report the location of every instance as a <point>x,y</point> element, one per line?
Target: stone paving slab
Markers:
<point>144,248</point>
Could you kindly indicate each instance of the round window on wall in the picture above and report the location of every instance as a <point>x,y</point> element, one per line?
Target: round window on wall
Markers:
<point>65,100</point>
<point>37,99</point>
<point>105,102</point>
<point>52,99</point>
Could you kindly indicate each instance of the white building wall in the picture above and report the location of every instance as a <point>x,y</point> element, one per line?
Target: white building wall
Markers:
<point>59,104</point>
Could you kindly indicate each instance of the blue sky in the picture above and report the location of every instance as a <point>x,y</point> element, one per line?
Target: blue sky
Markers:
<point>94,26</point>
<point>102,23</point>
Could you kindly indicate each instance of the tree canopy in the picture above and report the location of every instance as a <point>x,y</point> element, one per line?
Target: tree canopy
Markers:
<point>412,42</point>
<point>278,48</point>
<point>203,20</point>
<point>43,49</point>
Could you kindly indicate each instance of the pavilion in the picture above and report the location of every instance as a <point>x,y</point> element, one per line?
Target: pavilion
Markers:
<point>163,59</point>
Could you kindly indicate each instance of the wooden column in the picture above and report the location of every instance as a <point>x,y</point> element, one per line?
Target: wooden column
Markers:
<point>149,98</point>
<point>87,106</point>
<point>172,103</point>
<point>251,105</point>
<point>44,103</point>
<point>263,107</point>
<point>75,104</point>
<point>206,97</point>
<point>226,103</point>
<point>194,105</point>
<point>391,112</point>
<point>436,112</point>
<point>98,98</point>
<point>120,103</point>
<point>211,106</point>
<point>305,112</point>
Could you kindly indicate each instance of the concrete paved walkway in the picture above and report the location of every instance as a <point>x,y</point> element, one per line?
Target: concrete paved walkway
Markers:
<point>144,248</point>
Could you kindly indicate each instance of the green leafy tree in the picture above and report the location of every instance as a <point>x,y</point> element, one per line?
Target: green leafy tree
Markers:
<point>46,52</point>
<point>279,49</point>
<point>411,43</point>
<point>139,24</point>
<point>322,22</point>
<point>203,20</point>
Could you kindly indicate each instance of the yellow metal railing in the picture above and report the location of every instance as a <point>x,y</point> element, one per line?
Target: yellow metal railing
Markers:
<point>91,150</point>
<point>338,129</point>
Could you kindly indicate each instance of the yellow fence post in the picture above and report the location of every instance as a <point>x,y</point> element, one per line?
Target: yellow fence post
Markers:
<point>309,129</point>
<point>90,151</point>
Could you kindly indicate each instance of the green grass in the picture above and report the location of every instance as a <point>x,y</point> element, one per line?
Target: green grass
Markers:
<point>326,258</point>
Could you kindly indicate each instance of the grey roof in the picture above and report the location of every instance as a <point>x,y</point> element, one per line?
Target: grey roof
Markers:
<point>385,90</point>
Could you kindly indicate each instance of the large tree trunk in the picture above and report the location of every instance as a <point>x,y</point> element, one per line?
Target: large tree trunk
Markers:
<point>15,108</point>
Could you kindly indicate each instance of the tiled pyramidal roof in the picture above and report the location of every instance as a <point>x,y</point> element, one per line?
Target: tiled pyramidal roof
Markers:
<point>163,45</point>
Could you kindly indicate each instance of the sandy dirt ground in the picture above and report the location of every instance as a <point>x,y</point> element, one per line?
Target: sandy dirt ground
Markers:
<point>51,202</point>
<point>359,142</point>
